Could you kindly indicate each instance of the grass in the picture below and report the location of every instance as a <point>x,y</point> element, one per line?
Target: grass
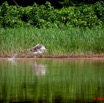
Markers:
<point>57,41</point>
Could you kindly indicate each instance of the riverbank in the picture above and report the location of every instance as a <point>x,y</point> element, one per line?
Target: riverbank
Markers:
<point>81,55</point>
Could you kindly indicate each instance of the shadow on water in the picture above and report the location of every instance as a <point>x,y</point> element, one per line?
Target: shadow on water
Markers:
<point>51,82</point>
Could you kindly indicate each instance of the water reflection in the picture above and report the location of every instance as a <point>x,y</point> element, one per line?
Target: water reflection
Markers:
<point>40,69</point>
<point>55,81</point>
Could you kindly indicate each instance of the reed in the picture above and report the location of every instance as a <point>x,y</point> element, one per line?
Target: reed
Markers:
<point>57,41</point>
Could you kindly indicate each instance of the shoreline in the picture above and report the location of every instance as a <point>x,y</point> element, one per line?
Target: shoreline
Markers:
<point>70,56</point>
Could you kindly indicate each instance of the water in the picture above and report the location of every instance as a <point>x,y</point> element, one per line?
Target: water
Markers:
<point>51,81</point>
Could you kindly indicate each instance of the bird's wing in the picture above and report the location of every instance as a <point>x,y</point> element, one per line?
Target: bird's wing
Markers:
<point>43,47</point>
<point>34,48</point>
<point>37,46</point>
<point>40,47</point>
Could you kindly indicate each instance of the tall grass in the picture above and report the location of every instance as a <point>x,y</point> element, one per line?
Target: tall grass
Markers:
<point>57,41</point>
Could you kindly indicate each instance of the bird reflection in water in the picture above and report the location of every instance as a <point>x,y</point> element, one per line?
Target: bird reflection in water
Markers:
<point>40,69</point>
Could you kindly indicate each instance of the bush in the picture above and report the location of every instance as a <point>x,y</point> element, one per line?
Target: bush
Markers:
<point>11,15</point>
<point>99,10</point>
<point>44,16</point>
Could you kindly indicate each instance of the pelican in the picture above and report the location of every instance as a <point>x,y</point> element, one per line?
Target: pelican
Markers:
<point>38,49</point>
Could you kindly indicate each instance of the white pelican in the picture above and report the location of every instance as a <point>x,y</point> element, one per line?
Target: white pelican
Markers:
<point>38,49</point>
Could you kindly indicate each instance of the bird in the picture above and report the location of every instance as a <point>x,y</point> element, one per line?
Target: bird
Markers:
<point>38,49</point>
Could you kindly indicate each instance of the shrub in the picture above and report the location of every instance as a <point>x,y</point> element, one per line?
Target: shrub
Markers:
<point>44,16</point>
<point>10,15</point>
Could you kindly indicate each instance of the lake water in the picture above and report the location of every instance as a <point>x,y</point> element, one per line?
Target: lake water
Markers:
<point>51,81</point>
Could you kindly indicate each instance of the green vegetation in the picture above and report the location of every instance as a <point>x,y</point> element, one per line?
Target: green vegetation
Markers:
<point>75,29</point>
<point>45,16</point>
<point>57,41</point>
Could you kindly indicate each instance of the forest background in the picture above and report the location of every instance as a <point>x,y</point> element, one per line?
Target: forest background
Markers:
<point>76,26</point>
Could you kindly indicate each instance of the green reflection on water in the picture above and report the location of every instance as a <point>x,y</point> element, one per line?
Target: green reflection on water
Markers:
<point>51,81</point>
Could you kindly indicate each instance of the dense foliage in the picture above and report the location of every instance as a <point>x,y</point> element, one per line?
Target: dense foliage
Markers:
<point>43,16</point>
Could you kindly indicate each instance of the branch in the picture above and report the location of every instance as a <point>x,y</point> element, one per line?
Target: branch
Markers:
<point>15,2</point>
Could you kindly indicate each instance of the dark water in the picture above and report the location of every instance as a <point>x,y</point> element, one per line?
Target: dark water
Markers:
<point>51,81</point>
